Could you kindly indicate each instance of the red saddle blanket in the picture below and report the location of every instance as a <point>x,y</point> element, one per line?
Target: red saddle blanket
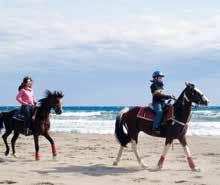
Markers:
<point>148,114</point>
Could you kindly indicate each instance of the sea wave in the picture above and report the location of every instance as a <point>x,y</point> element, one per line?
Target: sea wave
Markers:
<point>83,126</point>
<point>100,120</point>
<point>81,114</point>
<point>206,115</point>
<point>204,128</point>
<point>107,127</point>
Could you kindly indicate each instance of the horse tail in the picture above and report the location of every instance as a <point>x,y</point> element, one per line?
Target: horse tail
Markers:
<point>1,120</point>
<point>122,137</point>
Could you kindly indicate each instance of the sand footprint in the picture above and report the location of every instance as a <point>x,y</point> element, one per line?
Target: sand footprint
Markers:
<point>7,182</point>
<point>44,183</point>
<point>180,181</point>
<point>140,179</point>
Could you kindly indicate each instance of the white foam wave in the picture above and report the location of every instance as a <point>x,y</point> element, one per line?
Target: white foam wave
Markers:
<point>83,126</point>
<point>206,115</point>
<point>80,114</point>
<point>204,128</point>
<point>107,127</point>
<point>206,112</point>
<point>202,111</point>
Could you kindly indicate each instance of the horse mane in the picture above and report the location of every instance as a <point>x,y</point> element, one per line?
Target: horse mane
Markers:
<point>48,95</point>
<point>44,103</point>
<point>178,101</point>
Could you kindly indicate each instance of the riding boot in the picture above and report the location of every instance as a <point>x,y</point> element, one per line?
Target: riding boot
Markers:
<point>156,131</point>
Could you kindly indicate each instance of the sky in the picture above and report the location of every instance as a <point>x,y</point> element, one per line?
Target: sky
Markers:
<point>103,53</point>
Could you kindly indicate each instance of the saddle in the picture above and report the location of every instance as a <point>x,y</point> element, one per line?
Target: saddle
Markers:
<point>147,113</point>
<point>20,117</point>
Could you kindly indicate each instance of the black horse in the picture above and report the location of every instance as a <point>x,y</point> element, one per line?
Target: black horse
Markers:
<point>40,125</point>
<point>175,130</point>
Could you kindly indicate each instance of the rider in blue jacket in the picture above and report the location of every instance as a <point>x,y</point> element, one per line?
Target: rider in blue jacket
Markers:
<point>158,98</point>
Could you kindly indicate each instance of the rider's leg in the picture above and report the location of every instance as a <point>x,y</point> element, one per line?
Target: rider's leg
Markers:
<point>26,111</point>
<point>159,113</point>
<point>34,114</point>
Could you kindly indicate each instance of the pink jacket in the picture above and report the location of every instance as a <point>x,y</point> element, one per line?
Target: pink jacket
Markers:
<point>26,97</point>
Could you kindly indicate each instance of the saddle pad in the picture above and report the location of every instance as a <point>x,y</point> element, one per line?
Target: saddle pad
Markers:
<point>148,114</point>
<point>18,116</point>
<point>145,113</point>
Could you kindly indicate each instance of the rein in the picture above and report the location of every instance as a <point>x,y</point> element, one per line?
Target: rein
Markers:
<point>185,124</point>
<point>179,122</point>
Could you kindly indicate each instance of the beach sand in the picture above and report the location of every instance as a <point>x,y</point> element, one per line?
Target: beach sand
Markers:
<point>87,159</point>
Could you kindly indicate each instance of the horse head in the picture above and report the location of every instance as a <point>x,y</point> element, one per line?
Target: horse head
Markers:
<point>194,95</point>
<point>55,100</point>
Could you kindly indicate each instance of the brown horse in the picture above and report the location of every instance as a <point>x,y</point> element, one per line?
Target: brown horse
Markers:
<point>39,126</point>
<point>177,129</point>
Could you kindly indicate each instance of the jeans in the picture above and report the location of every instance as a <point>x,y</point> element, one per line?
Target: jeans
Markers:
<point>26,110</point>
<point>159,113</point>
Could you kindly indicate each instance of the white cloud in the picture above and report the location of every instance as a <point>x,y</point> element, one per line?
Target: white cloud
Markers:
<point>37,33</point>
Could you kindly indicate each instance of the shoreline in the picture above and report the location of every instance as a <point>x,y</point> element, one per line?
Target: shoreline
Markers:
<point>88,158</point>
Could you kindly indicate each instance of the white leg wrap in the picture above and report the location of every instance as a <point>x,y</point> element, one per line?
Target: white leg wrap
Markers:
<point>119,155</point>
<point>187,151</point>
<point>165,150</point>
<point>134,147</point>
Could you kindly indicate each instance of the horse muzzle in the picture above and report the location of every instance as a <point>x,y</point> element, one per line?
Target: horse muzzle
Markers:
<point>205,100</point>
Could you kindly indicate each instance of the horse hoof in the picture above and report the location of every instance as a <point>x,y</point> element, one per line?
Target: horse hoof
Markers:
<point>14,155</point>
<point>115,163</point>
<point>156,169</point>
<point>143,166</point>
<point>54,156</point>
<point>196,169</point>
<point>6,153</point>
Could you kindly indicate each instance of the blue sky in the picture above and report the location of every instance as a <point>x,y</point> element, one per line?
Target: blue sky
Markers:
<point>104,52</point>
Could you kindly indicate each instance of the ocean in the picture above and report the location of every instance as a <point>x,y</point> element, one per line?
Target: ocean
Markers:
<point>100,120</point>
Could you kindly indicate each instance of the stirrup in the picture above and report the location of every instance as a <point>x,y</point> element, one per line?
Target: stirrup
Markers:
<point>156,131</point>
<point>27,132</point>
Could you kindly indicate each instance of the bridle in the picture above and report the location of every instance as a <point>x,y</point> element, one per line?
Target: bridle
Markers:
<point>184,124</point>
<point>186,98</point>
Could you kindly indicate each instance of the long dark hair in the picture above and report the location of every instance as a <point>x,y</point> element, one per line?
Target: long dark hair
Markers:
<point>25,79</point>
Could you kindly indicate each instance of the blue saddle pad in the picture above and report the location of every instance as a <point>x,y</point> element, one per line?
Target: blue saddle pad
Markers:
<point>18,115</point>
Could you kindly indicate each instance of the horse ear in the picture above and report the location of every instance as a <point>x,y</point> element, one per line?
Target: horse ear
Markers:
<point>189,85</point>
<point>61,94</point>
<point>193,86</point>
<point>58,94</point>
<point>48,93</point>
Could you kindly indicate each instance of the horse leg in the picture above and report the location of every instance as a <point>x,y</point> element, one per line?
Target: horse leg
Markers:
<point>53,147</point>
<point>119,156</point>
<point>36,142</point>
<point>13,141</point>
<point>167,145</point>
<point>191,163</point>
<point>134,148</point>
<point>5,136</point>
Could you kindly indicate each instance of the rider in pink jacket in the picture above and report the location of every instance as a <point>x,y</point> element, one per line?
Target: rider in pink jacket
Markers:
<point>27,100</point>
